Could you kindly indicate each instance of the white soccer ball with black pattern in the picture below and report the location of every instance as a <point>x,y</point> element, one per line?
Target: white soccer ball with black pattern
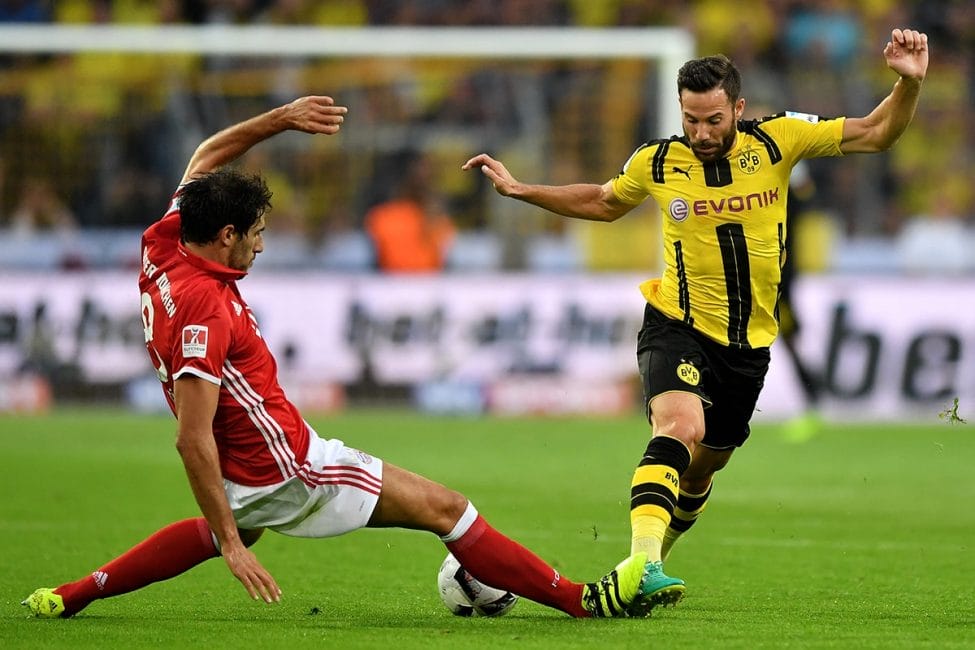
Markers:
<point>466,596</point>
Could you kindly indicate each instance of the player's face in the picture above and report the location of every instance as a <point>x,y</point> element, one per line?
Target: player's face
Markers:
<point>246,248</point>
<point>710,122</point>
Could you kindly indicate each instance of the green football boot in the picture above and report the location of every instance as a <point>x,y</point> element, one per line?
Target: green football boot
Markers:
<point>615,592</point>
<point>44,603</point>
<point>656,588</point>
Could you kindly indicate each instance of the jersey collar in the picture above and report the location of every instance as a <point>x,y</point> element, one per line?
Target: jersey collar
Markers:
<point>218,271</point>
<point>736,145</point>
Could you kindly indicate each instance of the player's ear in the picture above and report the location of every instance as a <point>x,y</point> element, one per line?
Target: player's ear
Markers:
<point>739,108</point>
<point>227,235</point>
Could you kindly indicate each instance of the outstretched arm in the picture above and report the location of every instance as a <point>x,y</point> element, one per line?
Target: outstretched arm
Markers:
<point>580,201</point>
<point>907,55</point>
<point>196,404</point>
<point>313,114</point>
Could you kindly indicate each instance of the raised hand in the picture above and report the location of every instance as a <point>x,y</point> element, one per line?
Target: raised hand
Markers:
<point>907,53</point>
<point>315,114</point>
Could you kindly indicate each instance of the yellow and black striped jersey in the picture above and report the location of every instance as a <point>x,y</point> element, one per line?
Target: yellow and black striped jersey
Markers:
<point>724,222</point>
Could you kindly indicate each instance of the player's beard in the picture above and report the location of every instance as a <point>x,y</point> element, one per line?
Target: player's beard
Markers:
<point>720,151</point>
<point>241,256</point>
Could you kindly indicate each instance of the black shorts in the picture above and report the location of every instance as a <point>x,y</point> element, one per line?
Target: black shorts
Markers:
<point>672,356</point>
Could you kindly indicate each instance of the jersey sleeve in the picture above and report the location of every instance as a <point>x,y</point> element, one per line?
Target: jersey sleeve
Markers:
<point>201,339</point>
<point>630,185</point>
<point>808,136</point>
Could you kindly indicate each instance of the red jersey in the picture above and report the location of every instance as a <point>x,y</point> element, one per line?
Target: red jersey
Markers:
<point>196,323</point>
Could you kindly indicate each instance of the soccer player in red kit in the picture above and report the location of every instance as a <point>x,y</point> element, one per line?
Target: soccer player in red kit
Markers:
<point>251,460</point>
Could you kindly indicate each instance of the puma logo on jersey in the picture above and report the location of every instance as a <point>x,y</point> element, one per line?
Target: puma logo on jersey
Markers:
<point>686,172</point>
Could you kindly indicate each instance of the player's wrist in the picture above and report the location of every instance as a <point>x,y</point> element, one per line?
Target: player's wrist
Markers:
<point>280,119</point>
<point>910,82</point>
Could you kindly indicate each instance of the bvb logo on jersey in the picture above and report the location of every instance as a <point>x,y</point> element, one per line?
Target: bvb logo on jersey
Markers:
<point>749,162</point>
<point>689,374</point>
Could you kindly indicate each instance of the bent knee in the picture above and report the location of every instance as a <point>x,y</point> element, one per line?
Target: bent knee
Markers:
<point>687,430</point>
<point>451,507</point>
<point>680,417</point>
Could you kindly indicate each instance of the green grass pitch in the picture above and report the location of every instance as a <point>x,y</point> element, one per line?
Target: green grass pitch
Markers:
<point>861,537</point>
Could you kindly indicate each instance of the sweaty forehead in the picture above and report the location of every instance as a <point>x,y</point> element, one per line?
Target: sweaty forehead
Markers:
<point>706,104</point>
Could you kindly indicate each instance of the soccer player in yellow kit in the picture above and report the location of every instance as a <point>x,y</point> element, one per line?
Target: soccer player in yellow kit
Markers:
<point>703,351</point>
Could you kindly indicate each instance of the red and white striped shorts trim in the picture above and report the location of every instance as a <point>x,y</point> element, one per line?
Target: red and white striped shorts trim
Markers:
<point>335,492</point>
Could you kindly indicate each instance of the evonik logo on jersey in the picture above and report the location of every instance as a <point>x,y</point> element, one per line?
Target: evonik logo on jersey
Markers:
<point>739,203</point>
<point>680,209</point>
<point>195,341</point>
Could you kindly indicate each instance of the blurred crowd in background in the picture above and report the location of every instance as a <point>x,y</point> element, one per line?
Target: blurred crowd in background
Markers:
<point>92,144</point>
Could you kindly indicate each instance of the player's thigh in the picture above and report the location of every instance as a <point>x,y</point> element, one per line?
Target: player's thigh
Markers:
<point>678,414</point>
<point>738,377</point>
<point>334,492</point>
<point>670,358</point>
<point>408,500</point>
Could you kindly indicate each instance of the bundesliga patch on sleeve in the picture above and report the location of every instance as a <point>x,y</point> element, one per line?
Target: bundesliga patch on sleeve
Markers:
<point>195,341</point>
<point>805,117</point>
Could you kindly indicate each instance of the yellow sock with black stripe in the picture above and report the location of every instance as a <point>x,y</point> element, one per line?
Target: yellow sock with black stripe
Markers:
<point>689,508</point>
<point>653,494</point>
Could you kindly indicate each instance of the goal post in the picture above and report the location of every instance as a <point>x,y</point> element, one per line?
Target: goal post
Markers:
<point>670,47</point>
<point>110,113</point>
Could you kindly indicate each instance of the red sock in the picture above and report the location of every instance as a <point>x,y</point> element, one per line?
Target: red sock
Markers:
<point>165,554</point>
<point>503,563</point>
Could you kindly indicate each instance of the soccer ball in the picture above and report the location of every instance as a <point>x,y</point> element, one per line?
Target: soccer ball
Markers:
<point>465,596</point>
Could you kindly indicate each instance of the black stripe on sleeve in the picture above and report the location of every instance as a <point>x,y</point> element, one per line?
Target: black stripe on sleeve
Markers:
<point>659,156</point>
<point>774,153</point>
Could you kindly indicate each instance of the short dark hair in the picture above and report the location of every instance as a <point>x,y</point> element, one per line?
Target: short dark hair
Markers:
<point>709,72</point>
<point>214,200</point>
